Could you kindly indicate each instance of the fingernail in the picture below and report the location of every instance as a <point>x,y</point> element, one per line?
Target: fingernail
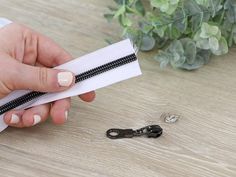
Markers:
<point>37,119</point>
<point>66,115</point>
<point>14,119</point>
<point>65,79</point>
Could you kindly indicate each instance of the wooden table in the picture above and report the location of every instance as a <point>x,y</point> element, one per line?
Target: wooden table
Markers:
<point>201,143</point>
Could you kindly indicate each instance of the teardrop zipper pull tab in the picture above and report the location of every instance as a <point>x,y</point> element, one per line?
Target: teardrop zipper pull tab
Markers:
<point>119,133</point>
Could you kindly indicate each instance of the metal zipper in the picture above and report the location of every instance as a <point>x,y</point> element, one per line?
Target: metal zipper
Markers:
<point>78,78</point>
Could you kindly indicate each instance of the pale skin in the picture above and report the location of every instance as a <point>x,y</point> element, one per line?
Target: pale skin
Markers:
<point>26,61</point>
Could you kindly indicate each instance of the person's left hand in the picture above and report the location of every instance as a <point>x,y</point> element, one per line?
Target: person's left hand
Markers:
<point>26,59</point>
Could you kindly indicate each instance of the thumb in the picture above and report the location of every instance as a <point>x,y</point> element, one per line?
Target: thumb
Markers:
<point>39,78</point>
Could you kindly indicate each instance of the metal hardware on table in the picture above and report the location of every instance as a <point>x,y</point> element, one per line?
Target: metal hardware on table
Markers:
<point>151,131</point>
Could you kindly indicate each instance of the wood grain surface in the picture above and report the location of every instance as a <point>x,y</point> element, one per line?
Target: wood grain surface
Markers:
<point>202,143</point>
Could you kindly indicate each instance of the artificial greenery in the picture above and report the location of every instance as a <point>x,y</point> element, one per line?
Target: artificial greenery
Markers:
<point>185,33</point>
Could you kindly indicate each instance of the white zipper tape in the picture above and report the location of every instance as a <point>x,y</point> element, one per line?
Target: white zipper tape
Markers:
<point>82,64</point>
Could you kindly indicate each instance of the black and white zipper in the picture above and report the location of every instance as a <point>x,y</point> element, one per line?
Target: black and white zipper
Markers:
<point>78,78</point>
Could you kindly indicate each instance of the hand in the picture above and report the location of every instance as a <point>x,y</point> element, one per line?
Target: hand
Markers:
<point>26,59</point>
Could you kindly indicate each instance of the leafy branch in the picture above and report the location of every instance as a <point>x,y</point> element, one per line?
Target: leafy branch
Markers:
<point>185,32</point>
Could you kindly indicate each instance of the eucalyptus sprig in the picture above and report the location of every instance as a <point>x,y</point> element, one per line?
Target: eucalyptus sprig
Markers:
<point>185,33</point>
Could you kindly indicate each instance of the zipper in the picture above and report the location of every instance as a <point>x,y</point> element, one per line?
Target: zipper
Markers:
<point>78,78</point>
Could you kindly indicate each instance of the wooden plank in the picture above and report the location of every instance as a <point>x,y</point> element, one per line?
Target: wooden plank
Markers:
<point>201,143</point>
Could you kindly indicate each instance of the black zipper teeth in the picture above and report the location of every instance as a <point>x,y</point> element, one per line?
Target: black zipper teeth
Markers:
<point>78,78</point>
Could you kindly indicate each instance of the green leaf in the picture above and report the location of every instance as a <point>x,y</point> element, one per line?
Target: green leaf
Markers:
<point>173,32</point>
<point>203,44</point>
<point>214,44</point>
<point>160,31</point>
<point>120,11</point>
<point>145,27</point>
<point>180,20</point>
<point>148,43</point>
<point>223,47</point>
<point>177,51</point>
<point>139,7</point>
<point>214,6</point>
<point>160,42</point>
<point>177,61</point>
<point>167,6</point>
<point>160,4</point>
<point>191,7</point>
<point>171,9</point>
<point>109,17</point>
<point>197,21</point>
<point>126,21</point>
<point>163,58</point>
<point>190,50</point>
<point>134,35</point>
<point>197,14</point>
<point>204,54</point>
<point>230,6</point>
<point>208,30</point>
<point>130,10</point>
<point>173,2</point>
<point>176,47</point>
<point>204,3</point>
<point>199,62</point>
<point>164,63</point>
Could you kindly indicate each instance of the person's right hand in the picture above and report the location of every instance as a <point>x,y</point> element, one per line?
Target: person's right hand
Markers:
<point>26,59</point>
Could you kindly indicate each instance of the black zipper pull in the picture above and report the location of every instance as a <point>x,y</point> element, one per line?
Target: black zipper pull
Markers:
<point>151,131</point>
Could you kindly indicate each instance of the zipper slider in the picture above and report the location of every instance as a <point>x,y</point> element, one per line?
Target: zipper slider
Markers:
<point>151,131</point>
